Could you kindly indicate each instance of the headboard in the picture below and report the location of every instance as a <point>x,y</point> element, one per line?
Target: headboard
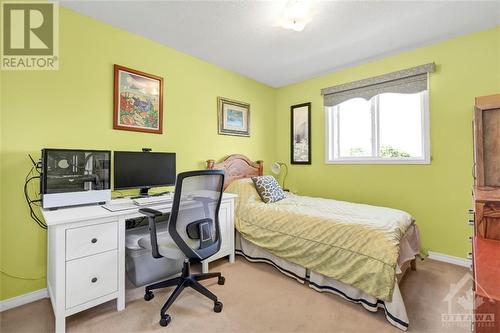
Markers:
<point>237,166</point>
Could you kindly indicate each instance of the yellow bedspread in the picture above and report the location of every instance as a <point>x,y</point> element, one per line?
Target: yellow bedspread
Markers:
<point>354,243</point>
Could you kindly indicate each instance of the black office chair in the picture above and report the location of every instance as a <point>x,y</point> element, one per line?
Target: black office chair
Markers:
<point>193,234</point>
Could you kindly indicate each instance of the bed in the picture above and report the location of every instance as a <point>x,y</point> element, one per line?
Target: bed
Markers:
<point>358,252</point>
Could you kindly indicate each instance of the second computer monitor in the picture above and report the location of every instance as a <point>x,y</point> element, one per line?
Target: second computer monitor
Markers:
<point>143,170</point>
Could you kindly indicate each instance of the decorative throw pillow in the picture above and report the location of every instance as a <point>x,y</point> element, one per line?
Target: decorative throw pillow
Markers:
<point>268,189</point>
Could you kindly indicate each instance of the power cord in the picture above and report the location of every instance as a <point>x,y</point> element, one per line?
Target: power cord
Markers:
<point>33,202</point>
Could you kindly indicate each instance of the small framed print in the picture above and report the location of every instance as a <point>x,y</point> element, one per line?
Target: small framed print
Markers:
<point>233,117</point>
<point>138,101</point>
<point>300,134</point>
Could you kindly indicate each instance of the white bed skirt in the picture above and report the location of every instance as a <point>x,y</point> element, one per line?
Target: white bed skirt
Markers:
<point>395,311</point>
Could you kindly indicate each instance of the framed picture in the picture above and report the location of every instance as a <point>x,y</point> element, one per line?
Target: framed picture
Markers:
<point>138,101</point>
<point>234,117</point>
<point>300,134</point>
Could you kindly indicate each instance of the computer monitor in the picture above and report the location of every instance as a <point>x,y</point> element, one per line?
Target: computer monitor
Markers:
<point>143,170</point>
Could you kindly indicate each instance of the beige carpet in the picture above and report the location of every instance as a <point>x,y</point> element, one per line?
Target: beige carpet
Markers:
<point>257,298</point>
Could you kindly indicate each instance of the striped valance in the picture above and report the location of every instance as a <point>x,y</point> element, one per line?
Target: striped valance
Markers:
<point>406,81</point>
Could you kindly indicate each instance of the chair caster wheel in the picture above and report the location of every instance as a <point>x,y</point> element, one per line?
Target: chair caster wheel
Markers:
<point>222,280</point>
<point>165,320</point>
<point>217,306</point>
<point>149,296</point>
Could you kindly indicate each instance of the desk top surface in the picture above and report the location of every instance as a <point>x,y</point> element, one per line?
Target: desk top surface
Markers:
<point>91,212</point>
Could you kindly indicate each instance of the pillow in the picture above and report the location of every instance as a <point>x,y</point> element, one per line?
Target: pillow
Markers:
<point>268,189</point>
<point>245,189</point>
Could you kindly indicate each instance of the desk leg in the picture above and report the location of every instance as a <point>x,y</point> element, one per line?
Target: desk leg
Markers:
<point>231,258</point>
<point>60,323</point>
<point>57,275</point>
<point>120,301</point>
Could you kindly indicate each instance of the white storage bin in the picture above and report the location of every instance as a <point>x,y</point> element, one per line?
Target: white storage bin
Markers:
<point>140,265</point>
<point>143,269</point>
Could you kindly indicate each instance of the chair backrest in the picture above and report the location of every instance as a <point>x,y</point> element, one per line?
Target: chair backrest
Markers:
<point>194,220</point>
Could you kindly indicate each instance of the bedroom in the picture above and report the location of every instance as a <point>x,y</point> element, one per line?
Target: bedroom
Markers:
<point>261,68</point>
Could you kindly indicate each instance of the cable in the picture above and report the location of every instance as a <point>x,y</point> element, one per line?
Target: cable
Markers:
<point>31,202</point>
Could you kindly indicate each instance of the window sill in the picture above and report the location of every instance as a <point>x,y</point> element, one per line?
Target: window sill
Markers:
<point>378,161</point>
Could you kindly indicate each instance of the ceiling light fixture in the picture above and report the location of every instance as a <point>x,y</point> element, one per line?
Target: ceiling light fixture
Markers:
<point>296,14</point>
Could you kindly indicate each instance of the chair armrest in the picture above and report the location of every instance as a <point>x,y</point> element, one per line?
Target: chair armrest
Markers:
<point>149,212</point>
<point>152,214</point>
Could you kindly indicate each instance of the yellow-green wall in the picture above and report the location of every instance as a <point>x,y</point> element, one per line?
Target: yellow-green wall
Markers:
<point>437,195</point>
<point>72,108</point>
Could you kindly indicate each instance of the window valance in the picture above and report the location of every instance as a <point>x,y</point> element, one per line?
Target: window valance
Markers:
<point>406,81</point>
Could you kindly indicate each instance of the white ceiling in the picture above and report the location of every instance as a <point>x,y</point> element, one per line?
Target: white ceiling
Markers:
<point>241,36</point>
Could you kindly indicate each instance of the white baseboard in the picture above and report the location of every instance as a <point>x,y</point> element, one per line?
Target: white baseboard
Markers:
<point>13,302</point>
<point>449,259</point>
<point>43,293</point>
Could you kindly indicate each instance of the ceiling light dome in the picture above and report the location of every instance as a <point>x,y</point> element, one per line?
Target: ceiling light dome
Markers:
<point>296,14</point>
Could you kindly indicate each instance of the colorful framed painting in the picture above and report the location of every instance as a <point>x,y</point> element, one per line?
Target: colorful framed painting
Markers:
<point>138,101</point>
<point>234,117</point>
<point>300,152</point>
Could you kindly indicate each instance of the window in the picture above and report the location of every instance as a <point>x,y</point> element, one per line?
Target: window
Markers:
<point>388,128</point>
<point>386,122</point>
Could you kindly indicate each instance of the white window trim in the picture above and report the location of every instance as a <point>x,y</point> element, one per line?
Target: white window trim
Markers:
<point>426,142</point>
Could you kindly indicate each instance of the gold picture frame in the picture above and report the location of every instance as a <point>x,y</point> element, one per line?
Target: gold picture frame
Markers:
<point>138,101</point>
<point>233,117</point>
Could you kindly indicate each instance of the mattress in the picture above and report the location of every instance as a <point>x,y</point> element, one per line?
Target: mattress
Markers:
<point>355,244</point>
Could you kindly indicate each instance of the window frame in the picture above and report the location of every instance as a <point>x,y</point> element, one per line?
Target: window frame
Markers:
<point>426,146</point>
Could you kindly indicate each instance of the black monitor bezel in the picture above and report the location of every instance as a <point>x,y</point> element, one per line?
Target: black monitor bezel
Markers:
<point>44,156</point>
<point>146,186</point>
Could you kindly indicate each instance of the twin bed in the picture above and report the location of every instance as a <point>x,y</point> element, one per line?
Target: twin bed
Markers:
<point>356,251</point>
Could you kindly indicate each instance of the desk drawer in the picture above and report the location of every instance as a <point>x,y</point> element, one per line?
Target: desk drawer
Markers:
<point>86,241</point>
<point>91,277</point>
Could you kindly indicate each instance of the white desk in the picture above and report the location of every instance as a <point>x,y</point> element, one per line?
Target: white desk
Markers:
<point>86,254</point>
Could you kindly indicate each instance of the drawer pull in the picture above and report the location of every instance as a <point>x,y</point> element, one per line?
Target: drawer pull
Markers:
<point>94,280</point>
<point>470,222</point>
<point>94,240</point>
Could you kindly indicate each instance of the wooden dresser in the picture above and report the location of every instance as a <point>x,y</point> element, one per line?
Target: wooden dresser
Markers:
<point>486,193</point>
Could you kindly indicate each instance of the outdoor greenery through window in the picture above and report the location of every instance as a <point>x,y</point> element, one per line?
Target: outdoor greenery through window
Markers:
<point>388,128</point>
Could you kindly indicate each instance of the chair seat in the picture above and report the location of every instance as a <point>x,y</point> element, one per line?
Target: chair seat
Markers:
<point>166,246</point>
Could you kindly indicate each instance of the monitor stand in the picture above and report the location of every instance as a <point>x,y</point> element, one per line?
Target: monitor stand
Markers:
<point>143,193</point>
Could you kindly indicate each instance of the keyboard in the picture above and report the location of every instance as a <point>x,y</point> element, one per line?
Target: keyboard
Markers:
<point>116,207</point>
<point>152,200</point>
